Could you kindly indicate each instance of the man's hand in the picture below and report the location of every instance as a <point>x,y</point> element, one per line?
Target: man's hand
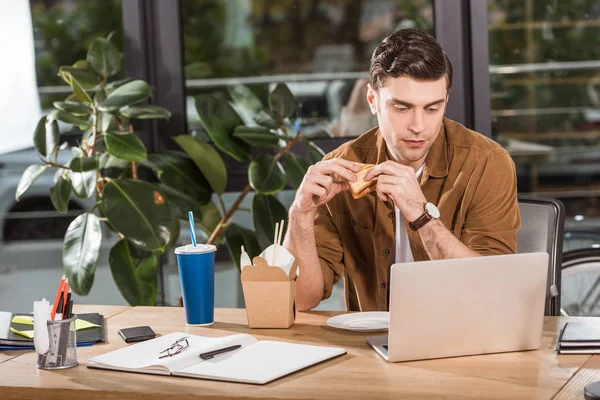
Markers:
<point>323,180</point>
<point>399,182</point>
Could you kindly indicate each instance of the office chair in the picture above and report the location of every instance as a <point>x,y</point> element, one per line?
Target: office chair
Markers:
<point>542,224</point>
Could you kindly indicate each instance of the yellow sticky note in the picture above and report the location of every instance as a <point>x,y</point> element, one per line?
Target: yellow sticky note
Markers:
<point>81,324</point>
<point>23,319</point>
<point>27,334</point>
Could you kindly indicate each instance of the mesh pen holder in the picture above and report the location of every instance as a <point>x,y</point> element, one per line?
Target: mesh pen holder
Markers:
<point>62,345</point>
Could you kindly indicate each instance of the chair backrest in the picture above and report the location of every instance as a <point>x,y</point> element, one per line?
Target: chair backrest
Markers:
<point>542,224</point>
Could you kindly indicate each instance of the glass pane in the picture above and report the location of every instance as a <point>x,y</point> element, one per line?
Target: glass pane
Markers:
<point>545,84</point>
<point>321,49</point>
<point>40,36</point>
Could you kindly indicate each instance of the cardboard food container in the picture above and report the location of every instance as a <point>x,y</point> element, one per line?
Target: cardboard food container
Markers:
<point>270,293</point>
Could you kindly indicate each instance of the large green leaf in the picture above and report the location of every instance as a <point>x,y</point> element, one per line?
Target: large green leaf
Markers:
<point>135,277</point>
<point>81,247</point>
<point>46,136</point>
<point>178,171</point>
<point>125,146</point>
<point>315,153</point>
<point>265,119</point>
<point>31,174</point>
<point>256,136</point>
<point>238,236</point>
<point>113,167</point>
<point>76,108</point>
<point>266,174</point>
<point>77,87</point>
<point>245,97</point>
<point>179,202</point>
<point>246,102</point>
<point>68,118</point>
<point>126,95</point>
<point>220,119</point>
<point>83,164</point>
<point>83,183</point>
<point>146,112</point>
<point>206,159</point>
<point>60,192</point>
<point>266,212</point>
<point>295,169</point>
<point>281,101</point>
<point>106,122</point>
<point>104,57</point>
<point>139,212</point>
<point>87,78</point>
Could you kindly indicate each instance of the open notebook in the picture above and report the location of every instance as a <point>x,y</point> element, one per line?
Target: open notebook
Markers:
<point>257,362</point>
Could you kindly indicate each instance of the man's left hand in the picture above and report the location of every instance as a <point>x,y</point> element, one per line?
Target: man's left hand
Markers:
<point>399,182</point>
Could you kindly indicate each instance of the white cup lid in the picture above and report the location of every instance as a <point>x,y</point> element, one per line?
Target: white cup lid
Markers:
<point>199,249</point>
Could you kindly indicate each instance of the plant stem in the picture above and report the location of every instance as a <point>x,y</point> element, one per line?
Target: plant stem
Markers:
<point>229,214</point>
<point>134,173</point>
<point>53,164</point>
<point>242,195</point>
<point>90,150</point>
<point>287,148</point>
<point>222,203</point>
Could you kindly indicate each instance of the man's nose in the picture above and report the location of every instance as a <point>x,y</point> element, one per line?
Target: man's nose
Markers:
<point>417,123</point>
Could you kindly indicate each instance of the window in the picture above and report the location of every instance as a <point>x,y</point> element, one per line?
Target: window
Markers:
<point>545,84</point>
<point>320,49</point>
<point>40,36</point>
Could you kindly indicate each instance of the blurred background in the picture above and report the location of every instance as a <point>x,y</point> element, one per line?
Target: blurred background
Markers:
<point>527,74</point>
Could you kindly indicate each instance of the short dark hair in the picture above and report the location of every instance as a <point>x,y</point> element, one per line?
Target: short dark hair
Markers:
<point>411,53</point>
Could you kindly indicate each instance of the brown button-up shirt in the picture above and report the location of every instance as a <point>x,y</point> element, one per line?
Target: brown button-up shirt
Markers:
<point>470,178</point>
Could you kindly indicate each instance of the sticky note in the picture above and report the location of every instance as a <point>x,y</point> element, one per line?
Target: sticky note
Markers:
<point>81,324</point>
<point>27,334</point>
<point>23,319</point>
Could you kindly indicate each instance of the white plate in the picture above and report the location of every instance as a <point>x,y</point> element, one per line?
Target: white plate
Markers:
<point>373,321</point>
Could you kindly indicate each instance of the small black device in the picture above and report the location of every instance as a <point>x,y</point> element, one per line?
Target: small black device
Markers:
<point>137,334</point>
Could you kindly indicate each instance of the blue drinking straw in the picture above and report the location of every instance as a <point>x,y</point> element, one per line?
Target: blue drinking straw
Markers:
<point>192,230</point>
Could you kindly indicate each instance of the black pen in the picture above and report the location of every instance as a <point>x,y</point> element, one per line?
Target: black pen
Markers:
<point>210,354</point>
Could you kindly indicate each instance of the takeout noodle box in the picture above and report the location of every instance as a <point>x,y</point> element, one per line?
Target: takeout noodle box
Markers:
<point>270,294</point>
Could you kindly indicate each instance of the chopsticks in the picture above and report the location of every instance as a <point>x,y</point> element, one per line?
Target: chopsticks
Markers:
<point>277,240</point>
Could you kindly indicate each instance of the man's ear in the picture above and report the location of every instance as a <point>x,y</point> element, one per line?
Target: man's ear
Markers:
<point>372,99</point>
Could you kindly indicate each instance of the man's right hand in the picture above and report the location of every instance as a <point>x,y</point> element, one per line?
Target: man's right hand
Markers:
<point>322,182</point>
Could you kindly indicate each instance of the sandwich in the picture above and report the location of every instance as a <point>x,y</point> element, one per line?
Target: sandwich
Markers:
<point>360,187</point>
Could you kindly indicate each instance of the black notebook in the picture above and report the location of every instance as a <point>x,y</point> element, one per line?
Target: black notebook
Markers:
<point>84,336</point>
<point>579,337</point>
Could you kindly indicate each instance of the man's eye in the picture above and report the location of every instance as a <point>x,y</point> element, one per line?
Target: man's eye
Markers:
<point>401,109</point>
<point>432,110</point>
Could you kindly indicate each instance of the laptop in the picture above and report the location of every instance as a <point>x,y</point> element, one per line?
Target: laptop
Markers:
<point>467,306</point>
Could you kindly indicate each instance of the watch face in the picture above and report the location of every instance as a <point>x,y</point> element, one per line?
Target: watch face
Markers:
<point>432,210</point>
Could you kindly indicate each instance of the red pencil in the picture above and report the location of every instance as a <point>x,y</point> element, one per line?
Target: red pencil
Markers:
<point>65,293</point>
<point>56,299</point>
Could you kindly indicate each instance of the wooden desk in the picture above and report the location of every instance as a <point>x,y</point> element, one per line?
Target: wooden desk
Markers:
<point>360,374</point>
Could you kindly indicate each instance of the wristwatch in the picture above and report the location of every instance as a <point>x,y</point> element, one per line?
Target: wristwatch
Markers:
<point>430,212</point>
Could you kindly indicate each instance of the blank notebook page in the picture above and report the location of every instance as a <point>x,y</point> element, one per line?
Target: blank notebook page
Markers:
<point>262,362</point>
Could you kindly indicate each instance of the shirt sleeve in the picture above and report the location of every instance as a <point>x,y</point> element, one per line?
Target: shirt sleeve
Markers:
<point>493,219</point>
<point>329,249</point>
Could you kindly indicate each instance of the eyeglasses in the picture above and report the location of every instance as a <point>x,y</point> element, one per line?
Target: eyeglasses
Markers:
<point>175,348</point>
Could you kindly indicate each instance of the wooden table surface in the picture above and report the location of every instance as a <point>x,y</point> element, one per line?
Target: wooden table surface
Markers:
<point>360,374</point>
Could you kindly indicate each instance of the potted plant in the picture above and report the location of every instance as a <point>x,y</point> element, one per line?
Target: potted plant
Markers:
<point>146,214</point>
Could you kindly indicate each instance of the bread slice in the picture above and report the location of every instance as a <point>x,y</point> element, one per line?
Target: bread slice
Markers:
<point>360,187</point>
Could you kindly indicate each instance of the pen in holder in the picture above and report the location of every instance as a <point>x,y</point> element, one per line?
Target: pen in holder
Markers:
<point>62,345</point>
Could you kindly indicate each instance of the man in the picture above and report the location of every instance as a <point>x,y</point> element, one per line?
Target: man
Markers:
<point>442,191</point>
